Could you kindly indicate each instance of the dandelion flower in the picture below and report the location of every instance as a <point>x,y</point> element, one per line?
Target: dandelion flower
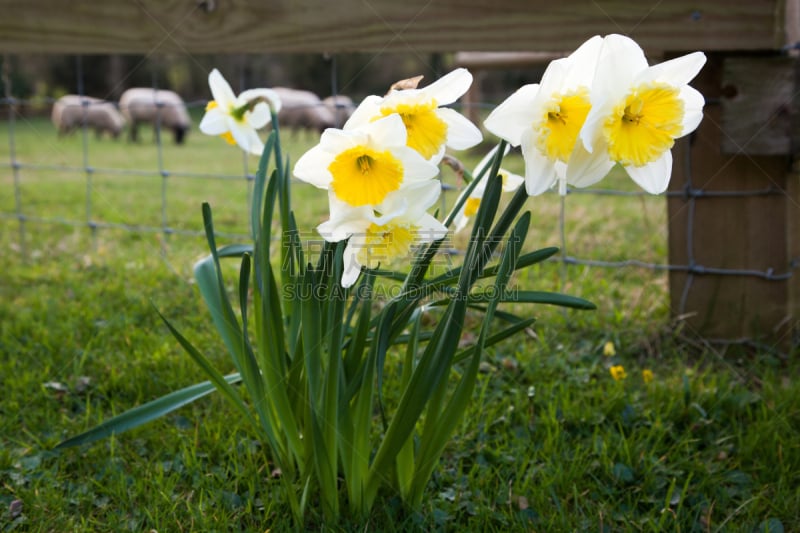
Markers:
<point>546,119</point>
<point>618,372</point>
<point>430,127</point>
<point>638,111</point>
<point>237,118</point>
<point>647,375</point>
<point>511,182</point>
<point>383,233</point>
<point>362,166</point>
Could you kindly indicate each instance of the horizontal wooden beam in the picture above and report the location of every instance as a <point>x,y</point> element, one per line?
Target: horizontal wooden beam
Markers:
<point>249,26</point>
<point>503,60</point>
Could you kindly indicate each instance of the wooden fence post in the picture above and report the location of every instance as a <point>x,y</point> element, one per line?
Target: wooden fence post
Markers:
<point>734,215</point>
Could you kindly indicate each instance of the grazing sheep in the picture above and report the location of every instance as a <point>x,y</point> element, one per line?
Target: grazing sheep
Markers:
<point>303,110</point>
<point>341,106</point>
<point>160,108</point>
<point>72,111</point>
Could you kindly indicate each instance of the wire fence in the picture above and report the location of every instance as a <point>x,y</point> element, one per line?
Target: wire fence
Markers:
<point>18,167</point>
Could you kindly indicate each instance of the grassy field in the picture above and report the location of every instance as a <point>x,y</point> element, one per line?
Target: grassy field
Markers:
<point>550,443</point>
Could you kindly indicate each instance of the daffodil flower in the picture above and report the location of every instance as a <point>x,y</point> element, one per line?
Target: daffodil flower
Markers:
<point>380,234</point>
<point>511,182</point>
<point>638,111</point>
<point>430,127</point>
<point>237,118</point>
<point>546,119</point>
<point>362,166</point>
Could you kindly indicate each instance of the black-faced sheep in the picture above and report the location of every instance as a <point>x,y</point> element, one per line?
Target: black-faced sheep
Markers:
<point>162,109</point>
<point>73,111</point>
<point>303,110</point>
<point>341,106</point>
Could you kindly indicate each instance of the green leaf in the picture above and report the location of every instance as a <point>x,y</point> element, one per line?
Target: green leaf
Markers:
<point>437,432</point>
<point>535,297</point>
<point>472,182</point>
<point>497,337</point>
<point>235,250</point>
<point>229,392</point>
<point>258,186</point>
<point>142,414</point>
<point>208,274</point>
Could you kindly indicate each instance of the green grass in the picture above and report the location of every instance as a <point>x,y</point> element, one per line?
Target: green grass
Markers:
<point>550,443</point>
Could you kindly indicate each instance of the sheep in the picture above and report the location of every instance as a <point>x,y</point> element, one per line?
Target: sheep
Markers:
<point>158,107</point>
<point>303,110</point>
<point>73,111</point>
<point>342,107</point>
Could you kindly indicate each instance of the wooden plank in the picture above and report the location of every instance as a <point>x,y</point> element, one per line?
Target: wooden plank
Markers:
<point>759,105</point>
<point>793,245</point>
<point>504,60</point>
<point>232,26</point>
<point>736,233</point>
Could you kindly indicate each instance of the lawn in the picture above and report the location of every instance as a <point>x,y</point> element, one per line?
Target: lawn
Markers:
<point>551,441</point>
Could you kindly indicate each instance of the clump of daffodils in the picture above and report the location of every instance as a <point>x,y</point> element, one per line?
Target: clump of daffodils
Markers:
<point>380,171</point>
<point>601,106</point>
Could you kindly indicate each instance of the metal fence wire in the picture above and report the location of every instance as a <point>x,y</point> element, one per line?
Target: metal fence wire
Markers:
<point>690,194</point>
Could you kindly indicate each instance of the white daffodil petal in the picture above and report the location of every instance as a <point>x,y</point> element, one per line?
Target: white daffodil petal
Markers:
<point>514,116</point>
<point>387,131</point>
<point>429,229</point>
<point>368,109</point>
<point>653,177</point>
<point>540,173</point>
<point>449,87</point>
<point>620,60</point>
<point>461,133</point>
<point>582,63</point>
<point>221,90</point>
<point>693,102</point>
<point>336,141</point>
<point>552,83</point>
<point>678,71</point>
<point>586,168</point>
<point>460,221</point>
<point>247,139</point>
<point>259,116</point>
<point>312,167</point>
<point>266,94</point>
<point>511,182</point>
<point>415,168</point>
<point>422,196</point>
<point>338,230</point>
<point>351,267</point>
<point>590,133</point>
<point>214,122</point>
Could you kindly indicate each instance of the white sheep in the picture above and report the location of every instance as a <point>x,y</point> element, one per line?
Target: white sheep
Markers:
<point>72,111</point>
<point>162,109</point>
<point>341,106</point>
<point>303,110</point>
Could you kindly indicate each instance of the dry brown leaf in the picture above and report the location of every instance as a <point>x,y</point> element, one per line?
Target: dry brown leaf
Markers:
<point>408,83</point>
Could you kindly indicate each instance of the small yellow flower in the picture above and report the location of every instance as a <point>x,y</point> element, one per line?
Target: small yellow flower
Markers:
<point>618,372</point>
<point>647,375</point>
<point>609,350</point>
